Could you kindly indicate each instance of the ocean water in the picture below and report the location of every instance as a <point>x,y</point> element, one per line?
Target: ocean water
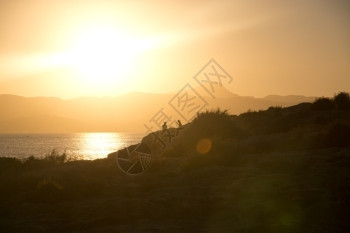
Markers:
<point>83,145</point>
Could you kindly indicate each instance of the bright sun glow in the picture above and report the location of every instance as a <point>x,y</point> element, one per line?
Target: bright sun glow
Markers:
<point>99,59</point>
<point>103,56</point>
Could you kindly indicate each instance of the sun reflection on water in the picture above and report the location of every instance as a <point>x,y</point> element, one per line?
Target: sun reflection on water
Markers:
<point>99,145</point>
<point>79,145</point>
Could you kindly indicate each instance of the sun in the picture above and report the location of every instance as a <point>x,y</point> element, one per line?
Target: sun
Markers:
<point>102,56</point>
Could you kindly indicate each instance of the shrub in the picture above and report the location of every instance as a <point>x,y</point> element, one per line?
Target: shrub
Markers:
<point>342,101</point>
<point>323,104</point>
<point>275,111</point>
<point>213,123</point>
<point>209,122</point>
<point>249,114</point>
<point>54,156</point>
<point>212,113</point>
<point>206,126</point>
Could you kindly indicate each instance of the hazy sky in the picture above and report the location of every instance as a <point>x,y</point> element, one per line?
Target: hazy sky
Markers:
<point>106,48</point>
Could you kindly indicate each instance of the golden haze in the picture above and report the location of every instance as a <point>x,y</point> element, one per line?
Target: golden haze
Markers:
<point>105,48</point>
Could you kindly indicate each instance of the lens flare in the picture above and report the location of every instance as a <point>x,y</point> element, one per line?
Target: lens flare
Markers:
<point>204,146</point>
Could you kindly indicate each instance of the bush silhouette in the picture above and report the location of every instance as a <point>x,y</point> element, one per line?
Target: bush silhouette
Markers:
<point>323,104</point>
<point>206,126</point>
<point>275,111</point>
<point>215,123</point>
<point>342,101</point>
<point>212,123</point>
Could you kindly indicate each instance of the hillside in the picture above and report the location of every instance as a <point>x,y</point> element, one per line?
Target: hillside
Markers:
<point>278,170</point>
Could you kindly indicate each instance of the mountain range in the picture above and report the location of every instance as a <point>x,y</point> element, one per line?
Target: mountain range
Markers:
<point>122,113</point>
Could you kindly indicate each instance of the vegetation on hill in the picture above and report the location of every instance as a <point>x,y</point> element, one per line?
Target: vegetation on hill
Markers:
<point>305,126</point>
<point>278,170</point>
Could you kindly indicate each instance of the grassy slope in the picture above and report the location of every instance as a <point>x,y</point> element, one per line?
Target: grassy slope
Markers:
<point>279,170</point>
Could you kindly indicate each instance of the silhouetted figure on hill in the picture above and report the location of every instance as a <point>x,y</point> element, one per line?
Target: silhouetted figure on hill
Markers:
<point>164,127</point>
<point>179,128</point>
<point>179,123</point>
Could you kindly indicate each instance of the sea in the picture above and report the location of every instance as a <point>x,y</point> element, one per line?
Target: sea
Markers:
<point>87,146</point>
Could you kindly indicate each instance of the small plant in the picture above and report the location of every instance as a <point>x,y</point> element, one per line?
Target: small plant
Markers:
<point>212,122</point>
<point>342,101</point>
<point>207,125</point>
<point>211,114</point>
<point>275,111</point>
<point>249,113</point>
<point>323,104</point>
<point>56,157</point>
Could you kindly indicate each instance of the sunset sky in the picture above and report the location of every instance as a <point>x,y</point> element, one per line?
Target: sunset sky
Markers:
<point>74,48</point>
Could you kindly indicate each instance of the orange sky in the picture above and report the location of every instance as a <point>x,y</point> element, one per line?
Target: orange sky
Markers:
<point>106,48</point>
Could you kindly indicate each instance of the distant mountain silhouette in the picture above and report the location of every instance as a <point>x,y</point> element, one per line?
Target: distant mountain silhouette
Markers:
<point>126,112</point>
<point>289,98</point>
